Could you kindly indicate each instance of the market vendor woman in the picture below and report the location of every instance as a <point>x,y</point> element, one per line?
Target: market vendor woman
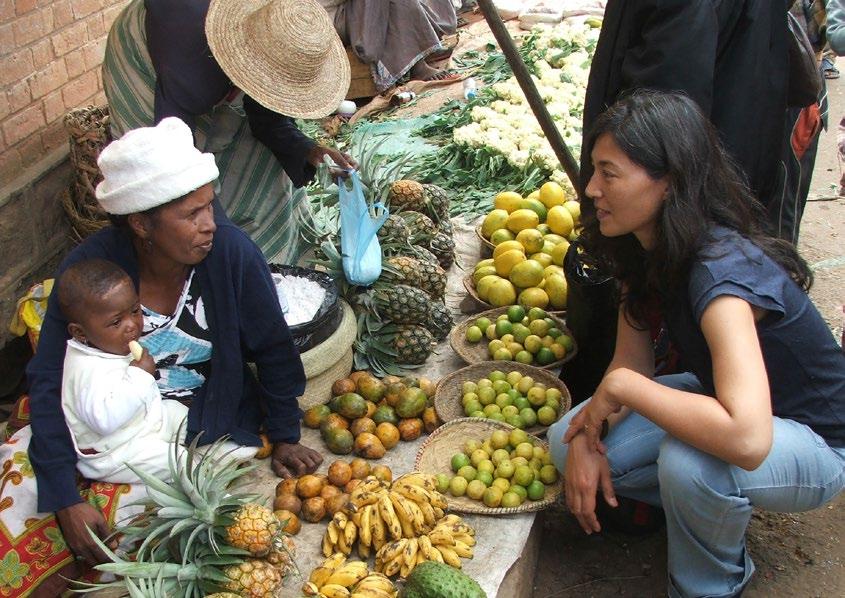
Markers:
<point>190,58</point>
<point>758,419</point>
<point>209,307</point>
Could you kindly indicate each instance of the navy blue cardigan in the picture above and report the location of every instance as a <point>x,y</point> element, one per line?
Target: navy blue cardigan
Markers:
<point>246,324</point>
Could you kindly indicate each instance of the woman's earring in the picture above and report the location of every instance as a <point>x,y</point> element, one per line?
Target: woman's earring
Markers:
<point>149,245</point>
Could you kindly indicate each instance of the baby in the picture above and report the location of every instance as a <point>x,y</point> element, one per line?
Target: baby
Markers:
<point>110,399</point>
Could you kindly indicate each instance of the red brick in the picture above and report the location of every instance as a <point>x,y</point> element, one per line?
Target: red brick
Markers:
<point>83,8</point>
<point>100,99</point>
<point>5,109</point>
<point>54,106</point>
<point>62,13</point>
<point>7,38</point>
<point>80,90</point>
<point>47,19</point>
<point>42,54</point>
<point>45,81</point>
<point>110,14</point>
<point>94,53</point>
<point>24,123</point>
<point>19,96</point>
<point>24,6</point>
<point>16,66</point>
<point>70,38</point>
<point>7,10</point>
<point>31,150</point>
<point>96,28</point>
<point>54,136</point>
<point>28,28</point>
<point>75,63</point>
<point>10,165</point>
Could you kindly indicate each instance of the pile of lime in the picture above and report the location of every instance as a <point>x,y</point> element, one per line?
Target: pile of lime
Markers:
<point>525,337</point>
<point>512,398</point>
<point>504,470</point>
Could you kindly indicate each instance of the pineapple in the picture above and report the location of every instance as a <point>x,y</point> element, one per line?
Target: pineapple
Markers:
<point>394,230</point>
<point>422,254</point>
<point>413,344</point>
<point>437,202</point>
<point>253,528</point>
<point>443,247</point>
<point>440,321</point>
<point>253,578</point>
<point>401,269</point>
<point>432,279</point>
<point>406,195</point>
<point>420,225</point>
<point>401,303</point>
<point>383,347</point>
<point>445,226</point>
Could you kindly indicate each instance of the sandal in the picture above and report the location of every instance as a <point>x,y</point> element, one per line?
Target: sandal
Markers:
<point>829,69</point>
<point>444,75</point>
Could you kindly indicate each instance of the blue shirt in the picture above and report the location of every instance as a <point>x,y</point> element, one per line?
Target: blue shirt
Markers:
<point>805,365</point>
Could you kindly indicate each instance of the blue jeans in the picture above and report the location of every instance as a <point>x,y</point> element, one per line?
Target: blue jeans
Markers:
<point>707,501</point>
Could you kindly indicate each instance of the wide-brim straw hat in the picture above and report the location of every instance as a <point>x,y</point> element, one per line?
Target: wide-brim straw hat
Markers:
<point>285,54</point>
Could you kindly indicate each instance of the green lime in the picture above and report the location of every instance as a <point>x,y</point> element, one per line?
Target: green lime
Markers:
<point>458,461</point>
<point>515,421</point>
<point>555,332</point>
<point>484,476</point>
<point>486,395</point>
<point>523,475</point>
<point>483,323</point>
<point>442,482</point>
<point>471,407</point>
<point>500,454</point>
<point>521,403</point>
<point>548,474</point>
<point>520,333</point>
<point>474,334</point>
<point>467,472</point>
<point>503,327</point>
<point>492,408</point>
<point>535,313</point>
<point>497,417</point>
<point>496,375</point>
<point>457,486</point>
<point>545,356</point>
<point>514,395</point>
<point>485,466</point>
<point>523,493</point>
<point>475,489</point>
<point>504,400</point>
<point>505,355</point>
<point>546,416</point>
<point>511,500</point>
<point>517,437</point>
<point>509,411</point>
<point>516,313</point>
<point>492,497</point>
<point>468,387</point>
<point>501,386</point>
<point>478,413</point>
<point>536,490</point>
<point>529,416</point>
<point>566,341</point>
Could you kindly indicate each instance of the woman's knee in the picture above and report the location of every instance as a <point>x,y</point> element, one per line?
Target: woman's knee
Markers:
<point>685,471</point>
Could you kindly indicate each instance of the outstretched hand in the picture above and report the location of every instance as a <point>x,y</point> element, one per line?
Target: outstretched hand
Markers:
<point>74,522</point>
<point>345,162</point>
<point>293,460</point>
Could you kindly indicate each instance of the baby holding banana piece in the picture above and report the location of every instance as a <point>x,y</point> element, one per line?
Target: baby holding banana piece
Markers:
<point>110,398</point>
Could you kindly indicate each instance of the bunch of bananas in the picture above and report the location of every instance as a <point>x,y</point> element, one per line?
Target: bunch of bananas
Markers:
<point>403,523</point>
<point>337,578</point>
<point>447,542</point>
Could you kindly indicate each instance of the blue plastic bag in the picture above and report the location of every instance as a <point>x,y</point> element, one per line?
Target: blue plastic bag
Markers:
<point>358,227</point>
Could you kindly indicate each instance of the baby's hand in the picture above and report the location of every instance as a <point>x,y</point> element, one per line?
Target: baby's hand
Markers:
<point>144,361</point>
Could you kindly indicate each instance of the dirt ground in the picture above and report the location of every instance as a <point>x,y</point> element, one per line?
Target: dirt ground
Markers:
<point>797,555</point>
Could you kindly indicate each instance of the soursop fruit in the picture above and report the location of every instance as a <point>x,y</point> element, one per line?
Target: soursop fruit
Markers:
<point>431,579</point>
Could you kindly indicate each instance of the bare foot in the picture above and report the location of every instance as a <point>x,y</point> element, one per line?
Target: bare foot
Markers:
<point>423,72</point>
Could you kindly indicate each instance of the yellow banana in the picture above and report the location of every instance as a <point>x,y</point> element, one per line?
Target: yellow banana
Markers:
<point>328,546</point>
<point>338,559</point>
<point>428,514</point>
<point>438,512</point>
<point>418,518</point>
<point>332,531</point>
<point>393,567</point>
<point>340,519</point>
<point>332,590</point>
<point>365,532</point>
<point>420,557</point>
<point>441,537</point>
<point>350,533</point>
<point>405,519</point>
<point>376,581</point>
<point>450,557</point>
<point>464,537</point>
<point>320,575</point>
<point>342,545</point>
<point>350,574</point>
<point>409,554</point>
<point>463,549</point>
<point>372,593</point>
<point>385,507</point>
<point>405,569</point>
<point>428,550</point>
<point>379,531</point>
<point>310,589</point>
<point>417,478</point>
<point>411,492</point>
<point>363,550</point>
<point>364,498</point>
<point>437,500</point>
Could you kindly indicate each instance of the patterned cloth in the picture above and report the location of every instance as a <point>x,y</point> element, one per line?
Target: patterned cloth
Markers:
<point>256,193</point>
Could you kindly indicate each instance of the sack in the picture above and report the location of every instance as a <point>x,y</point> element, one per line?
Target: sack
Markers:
<point>30,312</point>
<point>358,227</point>
<point>805,80</point>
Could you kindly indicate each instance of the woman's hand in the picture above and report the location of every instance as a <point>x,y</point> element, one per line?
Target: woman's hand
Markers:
<point>604,402</point>
<point>345,162</point>
<point>74,522</point>
<point>294,460</point>
<point>587,470</point>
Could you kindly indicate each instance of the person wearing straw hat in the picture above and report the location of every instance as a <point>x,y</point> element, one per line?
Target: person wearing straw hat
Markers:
<point>209,306</point>
<point>192,59</point>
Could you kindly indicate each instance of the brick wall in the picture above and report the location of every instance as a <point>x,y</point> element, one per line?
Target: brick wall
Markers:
<point>50,56</point>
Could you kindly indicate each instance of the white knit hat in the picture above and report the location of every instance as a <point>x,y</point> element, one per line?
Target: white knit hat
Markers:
<point>152,166</point>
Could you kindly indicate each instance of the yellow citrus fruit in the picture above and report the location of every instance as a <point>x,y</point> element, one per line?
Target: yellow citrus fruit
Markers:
<point>526,274</point>
<point>533,195</point>
<point>482,272</point>
<point>485,262</point>
<point>555,239</point>
<point>573,235</point>
<point>533,297</point>
<point>553,269</point>
<point>523,218</point>
<point>551,194</point>
<point>544,258</point>
<point>535,206</point>
<point>507,260</point>
<point>501,293</point>
<point>482,287</point>
<point>560,221</point>
<point>507,246</point>
<point>574,208</point>
<point>558,350</point>
<point>500,235</point>
<point>544,228</point>
<point>493,221</point>
<point>548,247</point>
<point>531,239</point>
<point>559,253</point>
<point>556,290</point>
<point>507,200</point>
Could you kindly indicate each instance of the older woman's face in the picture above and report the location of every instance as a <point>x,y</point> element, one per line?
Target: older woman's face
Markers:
<point>184,230</point>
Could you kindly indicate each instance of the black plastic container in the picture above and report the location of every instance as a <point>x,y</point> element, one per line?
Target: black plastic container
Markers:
<point>310,334</point>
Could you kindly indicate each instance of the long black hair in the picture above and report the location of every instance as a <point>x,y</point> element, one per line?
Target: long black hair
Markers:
<point>668,136</point>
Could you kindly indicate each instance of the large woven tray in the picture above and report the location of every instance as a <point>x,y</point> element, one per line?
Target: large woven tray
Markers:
<point>447,399</point>
<point>486,246</point>
<point>435,455</point>
<point>477,352</point>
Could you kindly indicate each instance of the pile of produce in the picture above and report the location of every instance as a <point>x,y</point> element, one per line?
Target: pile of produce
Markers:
<point>504,470</point>
<point>525,337</point>
<point>338,578</point>
<point>370,416</point>
<point>198,535</point>
<point>402,523</point>
<point>531,237</point>
<point>314,497</point>
<point>513,398</point>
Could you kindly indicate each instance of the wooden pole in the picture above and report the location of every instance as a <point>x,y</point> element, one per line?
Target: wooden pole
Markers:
<point>523,77</point>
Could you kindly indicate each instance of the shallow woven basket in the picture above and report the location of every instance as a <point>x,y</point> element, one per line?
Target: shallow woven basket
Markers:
<point>435,455</point>
<point>447,399</point>
<point>329,361</point>
<point>477,352</point>
<point>486,246</point>
<point>469,285</point>
<point>88,132</point>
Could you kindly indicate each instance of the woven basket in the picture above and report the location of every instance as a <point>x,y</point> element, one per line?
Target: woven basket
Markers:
<point>329,361</point>
<point>486,246</point>
<point>435,455</point>
<point>447,399</point>
<point>477,352</point>
<point>88,131</point>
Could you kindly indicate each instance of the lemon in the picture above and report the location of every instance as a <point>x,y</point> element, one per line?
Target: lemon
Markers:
<point>482,263</point>
<point>482,272</point>
<point>533,297</point>
<point>574,208</point>
<point>531,239</point>
<point>551,194</point>
<point>535,206</point>
<point>524,357</point>
<point>556,289</point>
<point>507,246</point>
<point>544,228</point>
<point>493,221</point>
<point>558,350</point>
<point>524,218</point>
<point>533,195</point>
<point>560,221</point>
<point>482,287</point>
<point>507,260</point>
<point>553,269</point>
<point>573,235</point>
<point>526,274</point>
<point>544,258</point>
<point>554,239</point>
<point>559,253</point>
<point>515,313</point>
<point>501,235</point>
<point>501,293</point>
<point>548,247</point>
<point>507,200</point>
